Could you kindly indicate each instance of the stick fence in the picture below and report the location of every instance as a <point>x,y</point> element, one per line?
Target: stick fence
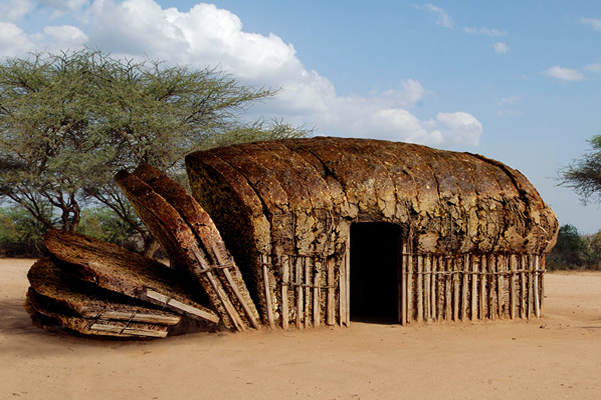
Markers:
<point>307,292</point>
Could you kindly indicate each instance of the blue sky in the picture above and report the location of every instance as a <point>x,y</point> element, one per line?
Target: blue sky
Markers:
<point>518,81</point>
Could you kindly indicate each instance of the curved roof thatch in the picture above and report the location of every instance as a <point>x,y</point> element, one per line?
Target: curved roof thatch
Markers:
<point>299,196</point>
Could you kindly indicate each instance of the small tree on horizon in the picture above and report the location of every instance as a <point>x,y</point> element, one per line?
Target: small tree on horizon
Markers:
<point>584,174</point>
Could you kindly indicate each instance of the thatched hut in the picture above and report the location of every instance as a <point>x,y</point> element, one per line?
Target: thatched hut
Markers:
<point>326,229</point>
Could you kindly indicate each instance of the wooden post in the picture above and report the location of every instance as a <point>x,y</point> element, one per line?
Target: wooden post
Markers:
<point>530,311</point>
<point>492,267</point>
<point>307,303</point>
<point>523,297</point>
<point>448,301</point>
<point>483,277</point>
<point>542,268</point>
<point>268,303</point>
<point>537,304</point>
<point>348,284</point>
<point>500,286</point>
<point>434,292</point>
<point>403,283</point>
<point>464,286</point>
<point>512,297</point>
<point>455,277</point>
<point>316,295</point>
<point>410,303</point>
<point>420,288</point>
<point>299,291</point>
<point>285,260</point>
<point>342,288</point>
<point>474,309</point>
<point>427,279</point>
<point>330,311</point>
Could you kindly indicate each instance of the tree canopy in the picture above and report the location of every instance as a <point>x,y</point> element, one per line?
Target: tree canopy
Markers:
<point>70,121</point>
<point>584,174</point>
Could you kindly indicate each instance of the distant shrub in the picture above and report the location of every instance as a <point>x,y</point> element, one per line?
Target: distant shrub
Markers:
<point>575,251</point>
<point>20,234</point>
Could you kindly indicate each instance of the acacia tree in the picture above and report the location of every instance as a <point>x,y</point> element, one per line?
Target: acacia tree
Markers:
<point>584,174</point>
<point>70,121</point>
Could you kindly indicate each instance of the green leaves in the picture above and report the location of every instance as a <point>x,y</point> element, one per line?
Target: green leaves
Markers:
<point>584,174</point>
<point>70,121</point>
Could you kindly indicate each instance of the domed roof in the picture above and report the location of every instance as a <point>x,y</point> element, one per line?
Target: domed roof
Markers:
<point>301,195</point>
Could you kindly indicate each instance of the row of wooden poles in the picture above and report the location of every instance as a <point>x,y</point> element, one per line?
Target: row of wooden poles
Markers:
<point>303,291</point>
<point>470,287</point>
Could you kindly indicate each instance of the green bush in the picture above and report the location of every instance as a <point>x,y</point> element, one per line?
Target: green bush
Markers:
<point>575,251</point>
<point>104,224</point>
<point>20,234</point>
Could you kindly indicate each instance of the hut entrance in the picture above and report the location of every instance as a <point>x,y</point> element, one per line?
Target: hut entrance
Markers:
<point>375,265</point>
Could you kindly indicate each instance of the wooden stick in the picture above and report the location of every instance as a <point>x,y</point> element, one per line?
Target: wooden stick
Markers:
<point>427,278</point>
<point>537,305</point>
<point>151,294</point>
<point>342,290</point>
<point>307,291</point>
<point>316,295</point>
<point>456,295</point>
<point>347,298</point>
<point>500,286</point>
<point>285,260</point>
<point>530,286</point>
<point>492,266</point>
<point>330,312</point>
<point>410,306</point>
<point>464,286</point>
<point>434,292</point>
<point>523,287</point>
<point>241,299</point>
<point>403,293</point>
<point>420,288</point>
<point>483,269</point>
<point>127,331</point>
<point>474,308</point>
<point>268,304</point>
<point>512,299</point>
<point>542,284</point>
<point>448,312</point>
<point>299,291</point>
<point>147,318</point>
<point>231,311</point>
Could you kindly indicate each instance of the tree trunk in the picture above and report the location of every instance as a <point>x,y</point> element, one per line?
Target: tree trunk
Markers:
<point>151,245</point>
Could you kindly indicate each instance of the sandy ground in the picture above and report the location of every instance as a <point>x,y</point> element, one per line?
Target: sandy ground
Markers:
<point>556,357</point>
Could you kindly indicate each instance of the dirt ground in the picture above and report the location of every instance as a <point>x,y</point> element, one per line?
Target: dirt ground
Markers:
<point>556,357</point>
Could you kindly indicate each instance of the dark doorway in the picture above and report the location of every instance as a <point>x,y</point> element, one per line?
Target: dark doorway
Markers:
<point>374,272</point>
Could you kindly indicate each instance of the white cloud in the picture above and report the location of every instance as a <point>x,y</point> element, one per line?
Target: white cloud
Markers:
<point>508,100</point>
<point>65,5</point>
<point>507,106</point>
<point>206,35</point>
<point>442,17</point>
<point>459,127</point>
<point>66,36</point>
<point>509,113</point>
<point>13,41</point>
<point>565,74</point>
<point>501,48</point>
<point>485,31</point>
<point>15,10</point>
<point>594,22</point>
<point>593,68</point>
